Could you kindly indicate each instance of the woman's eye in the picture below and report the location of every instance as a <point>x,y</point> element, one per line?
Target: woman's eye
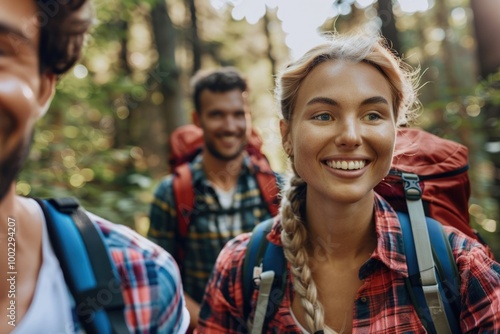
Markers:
<point>372,117</point>
<point>323,117</point>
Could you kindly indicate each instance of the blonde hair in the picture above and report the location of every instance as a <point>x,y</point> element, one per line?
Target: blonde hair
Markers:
<point>402,80</point>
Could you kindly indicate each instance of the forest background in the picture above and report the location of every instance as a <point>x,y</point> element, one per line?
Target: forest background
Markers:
<point>105,138</point>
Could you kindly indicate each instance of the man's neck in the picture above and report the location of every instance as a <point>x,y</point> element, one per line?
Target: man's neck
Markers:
<point>8,209</point>
<point>21,232</point>
<point>18,208</point>
<point>223,174</point>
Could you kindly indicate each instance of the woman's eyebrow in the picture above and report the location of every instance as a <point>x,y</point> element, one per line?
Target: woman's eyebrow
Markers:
<point>375,100</point>
<point>332,102</point>
<point>322,100</point>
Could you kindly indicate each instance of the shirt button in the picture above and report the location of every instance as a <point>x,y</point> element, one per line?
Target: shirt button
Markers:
<point>364,299</point>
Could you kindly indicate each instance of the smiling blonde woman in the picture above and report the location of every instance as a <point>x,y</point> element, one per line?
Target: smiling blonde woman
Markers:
<point>342,103</point>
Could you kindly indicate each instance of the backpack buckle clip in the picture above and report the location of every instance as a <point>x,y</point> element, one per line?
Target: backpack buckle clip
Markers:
<point>412,188</point>
<point>66,205</point>
<point>257,271</point>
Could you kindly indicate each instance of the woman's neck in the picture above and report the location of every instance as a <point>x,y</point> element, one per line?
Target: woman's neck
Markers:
<point>343,231</point>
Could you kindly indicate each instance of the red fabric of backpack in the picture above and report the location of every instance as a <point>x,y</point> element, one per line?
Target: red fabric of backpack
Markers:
<point>442,167</point>
<point>185,143</point>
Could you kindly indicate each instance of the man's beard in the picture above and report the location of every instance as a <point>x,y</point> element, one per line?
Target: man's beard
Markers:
<point>12,165</point>
<point>210,146</point>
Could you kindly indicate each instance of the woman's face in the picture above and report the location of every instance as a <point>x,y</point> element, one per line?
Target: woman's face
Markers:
<point>342,131</point>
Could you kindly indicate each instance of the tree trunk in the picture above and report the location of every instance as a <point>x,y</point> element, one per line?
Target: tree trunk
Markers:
<point>124,135</point>
<point>487,30</point>
<point>169,114</point>
<point>269,54</point>
<point>442,14</point>
<point>389,31</point>
<point>195,39</point>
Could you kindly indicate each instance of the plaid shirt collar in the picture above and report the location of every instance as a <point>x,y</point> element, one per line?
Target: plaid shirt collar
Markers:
<point>389,250</point>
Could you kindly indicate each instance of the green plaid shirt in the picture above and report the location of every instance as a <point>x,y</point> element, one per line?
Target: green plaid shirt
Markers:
<point>210,225</point>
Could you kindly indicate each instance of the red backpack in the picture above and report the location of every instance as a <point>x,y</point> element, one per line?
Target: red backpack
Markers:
<point>186,142</point>
<point>442,169</point>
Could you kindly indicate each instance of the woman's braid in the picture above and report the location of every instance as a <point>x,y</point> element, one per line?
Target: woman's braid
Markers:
<point>294,238</point>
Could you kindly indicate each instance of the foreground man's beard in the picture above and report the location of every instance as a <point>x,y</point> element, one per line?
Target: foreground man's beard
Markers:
<point>12,165</point>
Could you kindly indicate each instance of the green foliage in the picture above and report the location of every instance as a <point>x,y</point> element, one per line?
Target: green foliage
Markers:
<point>73,155</point>
<point>489,89</point>
<point>75,151</point>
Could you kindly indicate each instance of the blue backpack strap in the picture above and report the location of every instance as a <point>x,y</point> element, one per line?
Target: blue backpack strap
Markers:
<point>260,252</point>
<point>253,257</point>
<point>447,272</point>
<point>87,266</point>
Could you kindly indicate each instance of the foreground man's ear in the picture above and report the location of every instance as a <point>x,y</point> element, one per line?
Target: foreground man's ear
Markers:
<point>47,90</point>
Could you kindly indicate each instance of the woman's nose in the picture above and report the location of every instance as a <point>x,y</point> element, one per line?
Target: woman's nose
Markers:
<point>349,133</point>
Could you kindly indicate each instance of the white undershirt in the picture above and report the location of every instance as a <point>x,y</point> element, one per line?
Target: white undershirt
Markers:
<point>231,223</point>
<point>50,309</point>
<point>225,197</point>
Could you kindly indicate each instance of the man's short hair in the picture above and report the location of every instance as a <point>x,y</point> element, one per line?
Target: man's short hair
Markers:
<point>63,26</point>
<point>220,80</point>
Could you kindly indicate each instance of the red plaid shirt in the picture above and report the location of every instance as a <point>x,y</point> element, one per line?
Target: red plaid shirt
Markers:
<point>382,304</point>
<point>150,281</point>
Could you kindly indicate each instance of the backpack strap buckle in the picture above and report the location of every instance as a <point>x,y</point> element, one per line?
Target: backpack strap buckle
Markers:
<point>412,188</point>
<point>66,205</point>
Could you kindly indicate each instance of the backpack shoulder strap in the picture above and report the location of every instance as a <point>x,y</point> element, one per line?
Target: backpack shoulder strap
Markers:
<point>88,269</point>
<point>264,268</point>
<point>268,185</point>
<point>423,251</point>
<point>445,269</point>
<point>253,258</point>
<point>184,204</point>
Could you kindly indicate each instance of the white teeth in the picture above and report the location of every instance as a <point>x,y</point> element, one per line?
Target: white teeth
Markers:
<point>345,165</point>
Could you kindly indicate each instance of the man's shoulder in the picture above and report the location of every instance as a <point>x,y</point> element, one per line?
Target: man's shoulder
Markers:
<point>130,249</point>
<point>148,274</point>
<point>164,191</point>
<point>166,184</point>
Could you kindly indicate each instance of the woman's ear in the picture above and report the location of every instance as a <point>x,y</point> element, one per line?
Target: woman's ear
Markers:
<point>285,137</point>
<point>47,90</point>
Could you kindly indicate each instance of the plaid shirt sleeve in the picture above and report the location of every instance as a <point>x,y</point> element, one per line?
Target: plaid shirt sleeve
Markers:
<point>150,282</point>
<point>163,217</point>
<point>480,288</point>
<point>221,307</point>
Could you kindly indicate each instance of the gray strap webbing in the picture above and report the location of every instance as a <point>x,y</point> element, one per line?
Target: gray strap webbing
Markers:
<point>266,282</point>
<point>423,252</point>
